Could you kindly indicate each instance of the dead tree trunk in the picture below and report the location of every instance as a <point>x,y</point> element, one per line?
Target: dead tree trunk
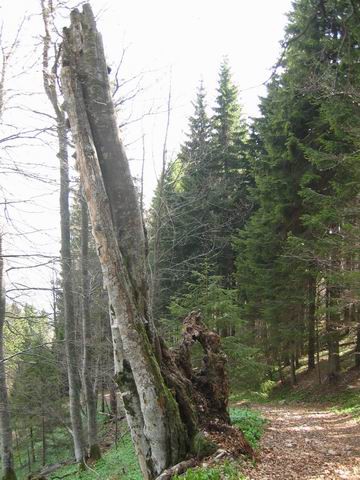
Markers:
<point>89,384</point>
<point>161,394</point>
<point>7,461</point>
<point>49,78</point>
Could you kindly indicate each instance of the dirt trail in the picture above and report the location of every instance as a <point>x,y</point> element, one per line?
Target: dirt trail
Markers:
<point>307,443</point>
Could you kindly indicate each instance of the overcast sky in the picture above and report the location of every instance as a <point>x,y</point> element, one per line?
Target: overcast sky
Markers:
<point>182,41</point>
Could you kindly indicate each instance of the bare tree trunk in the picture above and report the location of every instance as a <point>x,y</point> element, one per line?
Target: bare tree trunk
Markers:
<point>43,440</point>
<point>113,399</point>
<point>69,311</point>
<point>102,394</point>
<point>163,424</point>
<point>89,384</point>
<point>158,434</point>
<point>7,461</point>
<point>49,78</point>
<point>332,332</point>
<point>293,369</point>
<point>32,445</point>
<point>311,323</point>
<point>357,348</point>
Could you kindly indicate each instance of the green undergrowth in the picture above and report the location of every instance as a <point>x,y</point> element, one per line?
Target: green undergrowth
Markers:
<point>348,403</point>
<point>117,463</point>
<point>250,422</point>
<point>337,399</point>
<point>121,463</point>
<point>340,401</point>
<point>225,471</point>
<point>59,446</point>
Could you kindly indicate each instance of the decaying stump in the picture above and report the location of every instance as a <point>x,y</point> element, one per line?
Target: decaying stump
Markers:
<point>167,404</point>
<point>210,386</point>
<point>211,382</point>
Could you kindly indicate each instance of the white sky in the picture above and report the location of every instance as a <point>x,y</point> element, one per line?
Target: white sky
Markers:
<point>187,38</point>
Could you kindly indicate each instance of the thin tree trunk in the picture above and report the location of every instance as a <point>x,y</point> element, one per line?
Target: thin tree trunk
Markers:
<point>29,458</point>
<point>332,332</point>
<point>43,440</point>
<point>357,348</point>
<point>6,452</point>
<point>69,311</point>
<point>102,394</point>
<point>18,447</point>
<point>113,398</point>
<point>293,369</point>
<point>318,351</point>
<point>32,445</point>
<point>49,79</point>
<point>163,429</point>
<point>297,356</point>
<point>90,394</point>
<point>281,373</point>
<point>311,322</point>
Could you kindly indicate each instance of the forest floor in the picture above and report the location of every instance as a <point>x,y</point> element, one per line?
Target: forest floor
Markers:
<point>307,442</point>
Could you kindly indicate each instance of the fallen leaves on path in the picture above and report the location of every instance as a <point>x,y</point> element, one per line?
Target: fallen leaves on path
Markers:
<point>307,443</point>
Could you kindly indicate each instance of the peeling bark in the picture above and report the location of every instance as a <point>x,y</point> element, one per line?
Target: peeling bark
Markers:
<point>157,431</point>
<point>165,400</point>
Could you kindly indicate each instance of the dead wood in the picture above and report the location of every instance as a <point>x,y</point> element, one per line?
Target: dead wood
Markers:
<point>178,469</point>
<point>168,404</point>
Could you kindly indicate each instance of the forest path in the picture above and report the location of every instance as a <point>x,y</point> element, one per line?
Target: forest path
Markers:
<point>307,443</point>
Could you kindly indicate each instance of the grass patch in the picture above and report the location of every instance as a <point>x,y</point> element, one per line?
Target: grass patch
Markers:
<point>345,401</point>
<point>58,447</point>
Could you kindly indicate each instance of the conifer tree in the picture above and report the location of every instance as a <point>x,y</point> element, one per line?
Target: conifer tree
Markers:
<point>306,173</point>
<point>206,191</point>
<point>229,173</point>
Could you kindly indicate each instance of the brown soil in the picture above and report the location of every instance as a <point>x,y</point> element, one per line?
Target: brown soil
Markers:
<point>307,443</point>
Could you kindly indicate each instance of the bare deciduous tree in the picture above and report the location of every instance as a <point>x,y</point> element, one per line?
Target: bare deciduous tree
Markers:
<point>87,339</point>
<point>50,86</point>
<point>7,461</point>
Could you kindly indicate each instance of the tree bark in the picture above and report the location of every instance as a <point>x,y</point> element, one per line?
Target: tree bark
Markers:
<point>90,393</point>
<point>8,472</point>
<point>332,332</point>
<point>293,369</point>
<point>158,434</point>
<point>311,323</point>
<point>113,399</point>
<point>155,384</point>
<point>32,445</point>
<point>43,440</point>
<point>69,311</point>
<point>357,348</point>
<point>49,79</point>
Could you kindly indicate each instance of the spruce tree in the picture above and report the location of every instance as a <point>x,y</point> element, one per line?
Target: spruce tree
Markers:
<point>294,248</point>
<point>229,173</point>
